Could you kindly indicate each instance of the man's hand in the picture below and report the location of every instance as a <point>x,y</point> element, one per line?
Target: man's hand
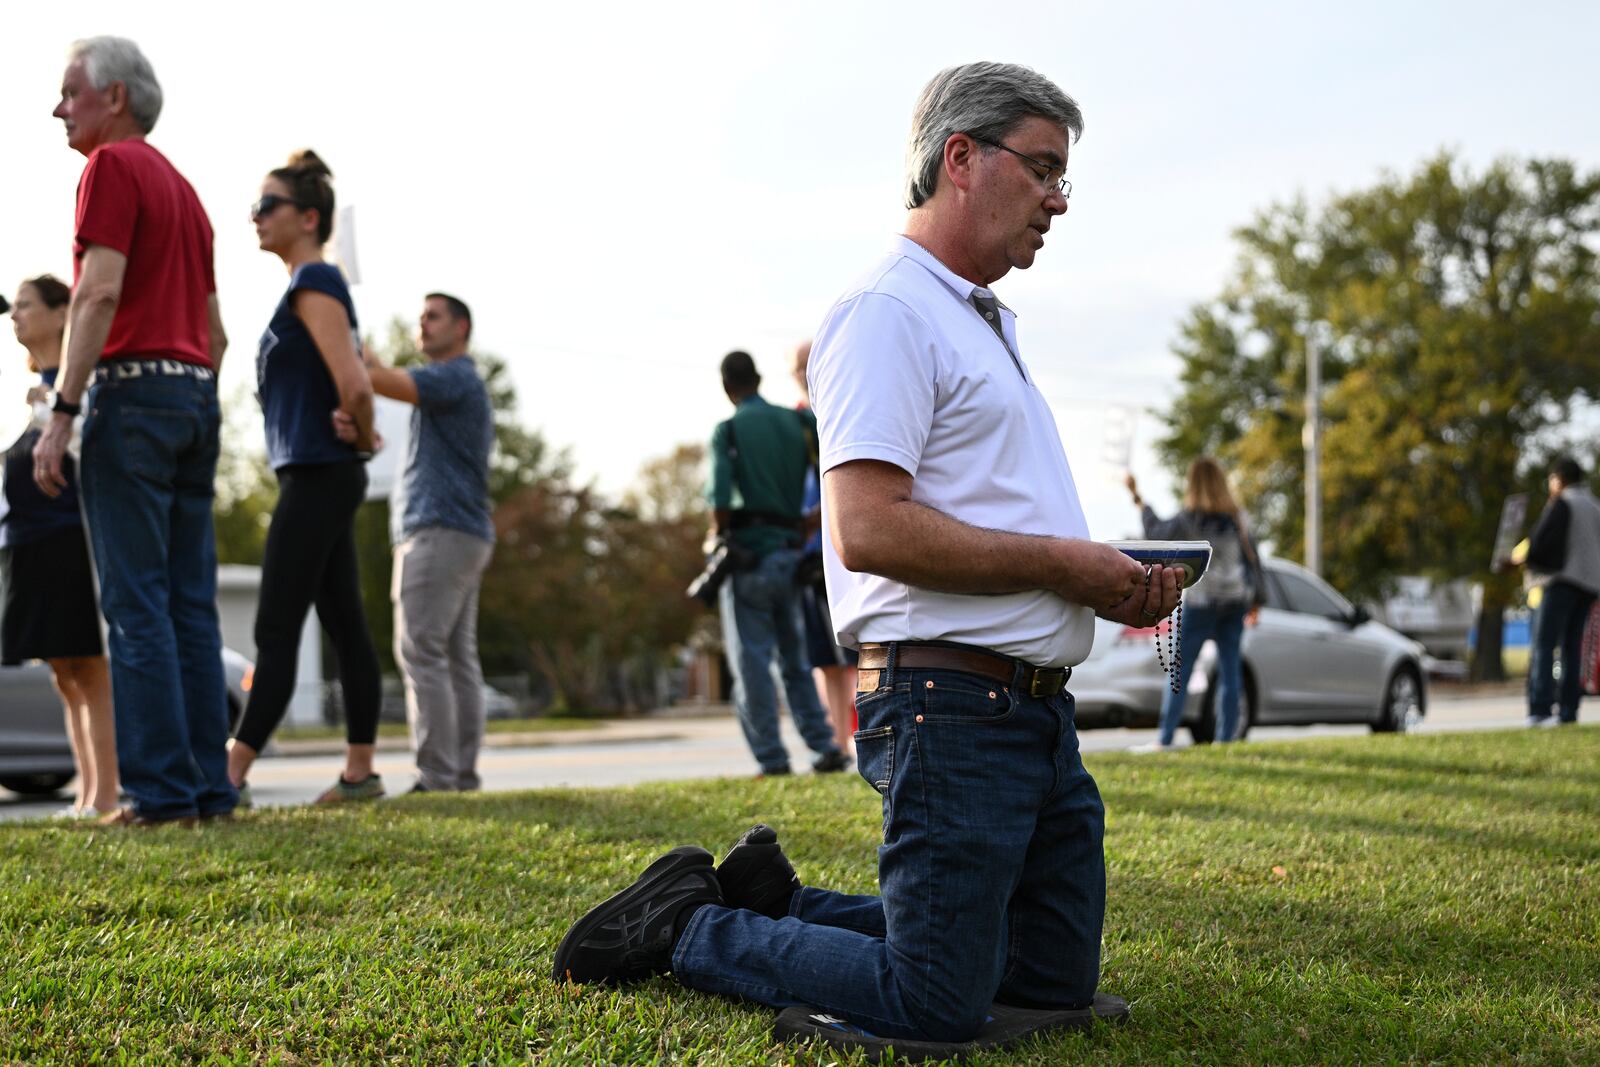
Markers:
<point>38,394</point>
<point>47,455</point>
<point>1152,602</point>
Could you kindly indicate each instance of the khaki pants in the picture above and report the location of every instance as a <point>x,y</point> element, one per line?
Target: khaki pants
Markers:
<point>435,592</point>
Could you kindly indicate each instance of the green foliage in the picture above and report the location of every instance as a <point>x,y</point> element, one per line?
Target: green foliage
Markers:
<point>1458,316</point>
<point>247,491</point>
<point>1422,899</point>
<point>594,592</point>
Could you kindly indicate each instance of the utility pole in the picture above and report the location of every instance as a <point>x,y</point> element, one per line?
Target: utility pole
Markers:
<point>1311,437</point>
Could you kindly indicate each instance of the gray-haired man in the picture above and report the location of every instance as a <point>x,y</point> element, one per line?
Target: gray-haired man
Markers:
<point>958,562</point>
<point>145,342</point>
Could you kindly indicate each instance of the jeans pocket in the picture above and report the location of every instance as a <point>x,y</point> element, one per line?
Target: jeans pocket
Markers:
<point>957,697</point>
<point>875,757</point>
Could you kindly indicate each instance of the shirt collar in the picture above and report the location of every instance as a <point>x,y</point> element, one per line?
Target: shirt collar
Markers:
<point>955,282</point>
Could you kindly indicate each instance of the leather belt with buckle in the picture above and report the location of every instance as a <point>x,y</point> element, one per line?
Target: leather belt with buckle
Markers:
<point>1035,681</point>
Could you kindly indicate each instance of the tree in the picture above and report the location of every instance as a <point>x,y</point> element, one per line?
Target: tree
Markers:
<point>245,486</point>
<point>595,591</point>
<point>1458,316</point>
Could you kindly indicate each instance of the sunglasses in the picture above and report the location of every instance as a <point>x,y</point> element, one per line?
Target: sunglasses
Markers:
<point>270,203</point>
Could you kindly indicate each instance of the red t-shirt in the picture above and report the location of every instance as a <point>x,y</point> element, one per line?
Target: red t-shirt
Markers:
<point>131,199</point>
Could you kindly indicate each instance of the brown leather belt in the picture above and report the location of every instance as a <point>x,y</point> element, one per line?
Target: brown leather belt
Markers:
<point>1036,681</point>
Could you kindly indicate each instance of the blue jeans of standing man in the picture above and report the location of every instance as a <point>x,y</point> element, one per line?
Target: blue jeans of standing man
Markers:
<point>991,873</point>
<point>760,612</point>
<point>1557,624</point>
<point>148,467</point>
<point>1223,624</point>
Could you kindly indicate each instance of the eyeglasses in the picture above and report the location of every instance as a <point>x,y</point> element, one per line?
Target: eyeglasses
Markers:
<point>270,203</point>
<point>1043,170</point>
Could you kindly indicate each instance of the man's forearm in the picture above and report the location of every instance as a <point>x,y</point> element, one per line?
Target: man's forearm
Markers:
<point>90,320</point>
<point>918,545</point>
<point>392,382</point>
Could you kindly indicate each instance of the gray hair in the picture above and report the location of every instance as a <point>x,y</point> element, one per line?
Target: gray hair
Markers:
<point>117,59</point>
<point>984,99</point>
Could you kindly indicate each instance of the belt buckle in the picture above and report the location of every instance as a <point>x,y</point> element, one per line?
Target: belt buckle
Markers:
<point>1047,681</point>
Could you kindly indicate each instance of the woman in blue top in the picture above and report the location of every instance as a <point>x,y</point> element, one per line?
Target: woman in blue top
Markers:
<point>49,610</point>
<point>307,368</point>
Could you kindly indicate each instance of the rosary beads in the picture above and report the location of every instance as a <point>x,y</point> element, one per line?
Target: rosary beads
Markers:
<point>1172,660</point>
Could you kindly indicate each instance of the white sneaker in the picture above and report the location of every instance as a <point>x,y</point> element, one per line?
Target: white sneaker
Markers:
<point>1153,746</point>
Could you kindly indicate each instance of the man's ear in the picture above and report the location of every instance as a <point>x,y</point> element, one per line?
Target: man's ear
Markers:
<point>117,97</point>
<point>960,159</point>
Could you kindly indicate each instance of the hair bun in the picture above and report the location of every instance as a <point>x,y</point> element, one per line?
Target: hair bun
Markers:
<point>309,162</point>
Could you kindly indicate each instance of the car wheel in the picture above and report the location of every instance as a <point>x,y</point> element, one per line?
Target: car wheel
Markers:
<point>1402,702</point>
<point>35,785</point>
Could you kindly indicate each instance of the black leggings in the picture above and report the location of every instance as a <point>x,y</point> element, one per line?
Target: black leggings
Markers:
<point>311,559</point>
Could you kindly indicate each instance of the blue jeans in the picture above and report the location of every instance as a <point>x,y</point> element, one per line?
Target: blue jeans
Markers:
<point>1559,624</point>
<point>992,873</point>
<point>760,612</point>
<point>149,461</point>
<point>1225,626</point>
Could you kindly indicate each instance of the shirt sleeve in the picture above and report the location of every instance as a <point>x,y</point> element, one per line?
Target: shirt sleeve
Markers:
<point>443,385</point>
<point>874,383</point>
<point>321,278</point>
<point>108,204</point>
<point>720,490</point>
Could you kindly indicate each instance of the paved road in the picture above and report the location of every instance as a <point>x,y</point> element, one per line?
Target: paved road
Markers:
<point>704,748</point>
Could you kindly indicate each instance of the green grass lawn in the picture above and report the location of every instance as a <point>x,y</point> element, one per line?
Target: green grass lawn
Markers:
<point>1382,899</point>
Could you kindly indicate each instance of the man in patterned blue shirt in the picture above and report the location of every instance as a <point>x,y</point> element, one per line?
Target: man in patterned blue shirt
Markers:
<point>443,538</point>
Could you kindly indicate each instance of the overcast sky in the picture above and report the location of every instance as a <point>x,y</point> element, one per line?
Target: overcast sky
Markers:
<point>625,192</point>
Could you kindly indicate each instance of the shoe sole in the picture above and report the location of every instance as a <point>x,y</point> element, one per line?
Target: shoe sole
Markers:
<point>673,865</point>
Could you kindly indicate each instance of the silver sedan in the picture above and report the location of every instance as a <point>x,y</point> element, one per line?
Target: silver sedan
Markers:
<point>35,759</point>
<point>1313,657</point>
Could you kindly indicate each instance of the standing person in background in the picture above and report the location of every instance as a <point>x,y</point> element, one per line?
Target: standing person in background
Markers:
<point>759,460</point>
<point>443,537</point>
<point>1217,608</point>
<point>49,611</point>
<point>309,366</point>
<point>833,665</point>
<point>146,328</point>
<point>1564,546</point>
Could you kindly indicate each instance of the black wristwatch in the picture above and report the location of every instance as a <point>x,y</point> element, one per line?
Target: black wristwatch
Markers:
<point>66,407</point>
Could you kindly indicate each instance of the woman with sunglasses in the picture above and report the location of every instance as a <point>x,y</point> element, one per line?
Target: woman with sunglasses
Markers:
<point>49,609</point>
<point>308,367</point>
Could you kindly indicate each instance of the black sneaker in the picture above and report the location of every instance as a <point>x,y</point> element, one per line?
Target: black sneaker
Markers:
<point>756,875</point>
<point>631,936</point>
<point>831,762</point>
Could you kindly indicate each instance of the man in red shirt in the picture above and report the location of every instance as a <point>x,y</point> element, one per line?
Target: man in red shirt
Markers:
<point>145,342</point>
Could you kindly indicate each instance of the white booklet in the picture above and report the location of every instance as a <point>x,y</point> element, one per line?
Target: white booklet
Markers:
<point>1193,556</point>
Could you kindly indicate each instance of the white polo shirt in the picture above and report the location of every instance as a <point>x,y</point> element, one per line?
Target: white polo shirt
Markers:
<point>905,370</point>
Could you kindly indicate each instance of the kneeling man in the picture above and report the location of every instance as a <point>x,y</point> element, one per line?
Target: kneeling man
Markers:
<point>958,562</point>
